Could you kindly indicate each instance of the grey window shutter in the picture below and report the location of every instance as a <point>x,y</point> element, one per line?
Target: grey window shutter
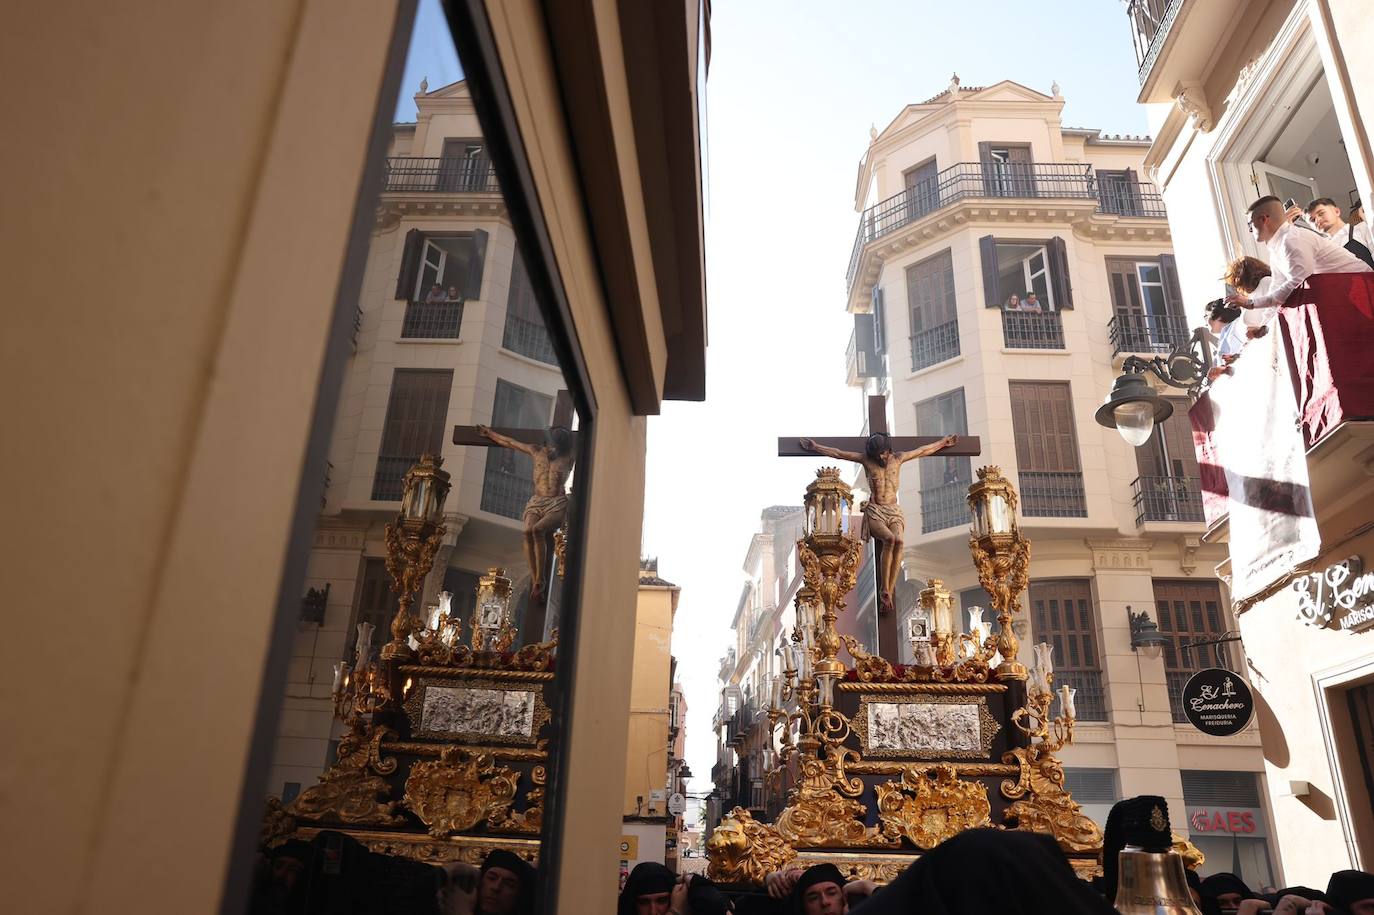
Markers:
<point>1173,297</point>
<point>410,263</point>
<point>879,321</point>
<point>987,250</point>
<point>472,283</point>
<point>985,152</point>
<point>1059,273</point>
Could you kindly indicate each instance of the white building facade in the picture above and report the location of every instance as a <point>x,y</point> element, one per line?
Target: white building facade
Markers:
<point>971,202</point>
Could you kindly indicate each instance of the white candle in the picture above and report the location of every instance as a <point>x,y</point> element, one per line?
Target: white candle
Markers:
<point>789,657</point>
<point>340,671</point>
<point>1066,694</point>
<point>777,692</point>
<point>364,649</point>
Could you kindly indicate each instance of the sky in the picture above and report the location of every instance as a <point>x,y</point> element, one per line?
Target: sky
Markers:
<point>793,89</point>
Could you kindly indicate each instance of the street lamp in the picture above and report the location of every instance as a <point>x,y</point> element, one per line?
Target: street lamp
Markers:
<point>1134,407</point>
<point>1145,635</point>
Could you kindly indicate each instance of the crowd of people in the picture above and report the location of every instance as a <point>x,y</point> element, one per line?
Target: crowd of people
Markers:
<point>1300,244</point>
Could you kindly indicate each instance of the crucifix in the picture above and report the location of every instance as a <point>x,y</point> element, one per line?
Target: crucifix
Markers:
<point>882,456</point>
<point>553,451</point>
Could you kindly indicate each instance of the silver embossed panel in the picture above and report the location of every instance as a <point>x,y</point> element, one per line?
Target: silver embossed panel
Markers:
<point>471,710</point>
<point>920,727</point>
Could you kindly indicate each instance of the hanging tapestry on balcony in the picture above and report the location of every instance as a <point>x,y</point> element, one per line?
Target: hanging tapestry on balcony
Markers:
<point>1253,467</point>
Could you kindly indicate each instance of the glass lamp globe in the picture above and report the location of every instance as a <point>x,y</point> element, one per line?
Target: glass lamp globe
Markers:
<point>1135,420</point>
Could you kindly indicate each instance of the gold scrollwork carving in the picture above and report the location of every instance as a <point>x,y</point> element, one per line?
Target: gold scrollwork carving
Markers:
<point>743,850</point>
<point>925,808</point>
<point>531,819</point>
<point>819,814</point>
<point>950,689</point>
<point>1041,803</point>
<point>423,848</point>
<point>987,727</point>
<point>460,790</point>
<point>349,792</point>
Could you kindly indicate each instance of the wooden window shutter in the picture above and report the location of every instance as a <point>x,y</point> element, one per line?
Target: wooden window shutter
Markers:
<point>410,264</point>
<point>987,253</point>
<point>1020,424</point>
<point>1125,290</point>
<point>985,152</point>
<point>472,282</point>
<point>415,412</point>
<point>1042,426</point>
<point>879,321</point>
<point>1173,296</point>
<point>864,338</point>
<point>1059,273</point>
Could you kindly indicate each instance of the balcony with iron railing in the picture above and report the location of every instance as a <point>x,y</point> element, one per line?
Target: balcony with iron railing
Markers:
<point>1031,330</point>
<point>944,506</point>
<point>936,345</point>
<point>1174,681</point>
<point>1006,180</point>
<point>1052,494</point>
<point>505,492</point>
<point>528,338</point>
<point>1167,499</point>
<point>447,175</point>
<point>386,480</point>
<point>1090,699</point>
<point>1155,334</point>
<point>1151,21</point>
<point>432,320</point>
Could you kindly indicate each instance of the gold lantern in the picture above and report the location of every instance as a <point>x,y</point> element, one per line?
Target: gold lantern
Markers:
<point>937,603</point>
<point>411,542</point>
<point>1002,557</point>
<point>492,629</point>
<point>829,554</point>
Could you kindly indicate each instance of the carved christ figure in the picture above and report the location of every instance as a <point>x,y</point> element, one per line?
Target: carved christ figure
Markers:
<point>883,518</point>
<point>546,509</point>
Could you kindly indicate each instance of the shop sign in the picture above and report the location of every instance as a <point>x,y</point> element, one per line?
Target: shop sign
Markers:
<point>629,848</point>
<point>1233,821</point>
<point>1217,702</point>
<point>677,804</point>
<point>1342,593</point>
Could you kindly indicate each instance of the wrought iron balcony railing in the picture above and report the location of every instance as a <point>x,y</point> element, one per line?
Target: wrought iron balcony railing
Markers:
<point>1133,198</point>
<point>1158,334</point>
<point>1089,700</point>
<point>1028,330</point>
<point>1175,680</point>
<point>944,506</point>
<point>432,320</point>
<point>1046,494</point>
<point>1167,499</point>
<point>453,175</point>
<point>386,481</point>
<point>1150,24</point>
<point>929,347</point>
<point>505,492</point>
<point>528,338</point>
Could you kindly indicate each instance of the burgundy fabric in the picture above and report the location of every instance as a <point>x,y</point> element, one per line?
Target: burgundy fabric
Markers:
<point>1211,468</point>
<point>1328,331</point>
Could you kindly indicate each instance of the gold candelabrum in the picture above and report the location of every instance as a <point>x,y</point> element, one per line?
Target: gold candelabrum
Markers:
<point>363,688</point>
<point>1047,734</point>
<point>830,552</point>
<point>1002,557</point>
<point>411,542</point>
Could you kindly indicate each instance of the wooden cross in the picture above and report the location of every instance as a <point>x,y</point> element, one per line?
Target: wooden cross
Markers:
<point>967,446</point>
<point>533,628</point>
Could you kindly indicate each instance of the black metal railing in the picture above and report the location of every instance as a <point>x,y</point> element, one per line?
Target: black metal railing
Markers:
<point>1089,699</point>
<point>528,338</point>
<point>1025,180</point>
<point>1130,198</point>
<point>432,320</point>
<point>1175,680</point>
<point>1167,499</point>
<point>1151,21</point>
<point>1047,494</point>
<point>929,347</point>
<point>1147,333</point>
<point>944,506</point>
<point>445,175</point>
<point>1028,330</point>
<point>386,481</point>
<point>505,492</point>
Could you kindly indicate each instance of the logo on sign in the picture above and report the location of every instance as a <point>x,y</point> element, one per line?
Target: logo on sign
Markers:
<point>1342,592</point>
<point>1217,702</point>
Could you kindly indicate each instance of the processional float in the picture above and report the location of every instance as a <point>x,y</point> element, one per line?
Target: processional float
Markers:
<point>889,760</point>
<point>443,753</point>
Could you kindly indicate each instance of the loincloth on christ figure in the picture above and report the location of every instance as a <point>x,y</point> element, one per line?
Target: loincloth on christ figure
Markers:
<point>890,516</point>
<point>543,508</point>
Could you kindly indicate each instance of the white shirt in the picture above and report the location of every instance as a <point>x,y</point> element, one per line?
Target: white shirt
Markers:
<point>1230,340</point>
<point>1360,231</point>
<point>1295,254</point>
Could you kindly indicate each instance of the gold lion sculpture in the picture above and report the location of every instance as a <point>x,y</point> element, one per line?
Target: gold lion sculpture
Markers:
<point>743,850</point>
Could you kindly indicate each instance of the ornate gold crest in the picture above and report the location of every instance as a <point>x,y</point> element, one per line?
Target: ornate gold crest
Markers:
<point>743,850</point>
<point>348,792</point>
<point>819,814</point>
<point>459,790</point>
<point>1157,820</point>
<point>925,808</point>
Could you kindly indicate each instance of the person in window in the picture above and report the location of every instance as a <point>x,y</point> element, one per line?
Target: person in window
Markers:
<point>1014,303</point>
<point>1354,238</point>
<point>453,295</point>
<point>1032,304</point>
<point>435,295</point>
<point>1294,255</point>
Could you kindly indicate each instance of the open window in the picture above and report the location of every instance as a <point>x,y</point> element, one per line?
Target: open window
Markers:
<point>454,262</point>
<point>1014,270</point>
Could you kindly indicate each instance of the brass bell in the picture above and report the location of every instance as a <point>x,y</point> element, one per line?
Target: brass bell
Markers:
<point>1152,883</point>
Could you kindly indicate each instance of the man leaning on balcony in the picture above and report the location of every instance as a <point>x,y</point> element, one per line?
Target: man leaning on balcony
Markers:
<point>1294,255</point>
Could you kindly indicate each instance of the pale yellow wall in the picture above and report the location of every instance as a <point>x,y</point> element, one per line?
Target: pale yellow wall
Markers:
<point>646,754</point>
<point>165,443</point>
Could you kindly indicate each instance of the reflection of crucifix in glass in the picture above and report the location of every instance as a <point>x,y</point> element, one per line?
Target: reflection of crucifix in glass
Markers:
<point>882,456</point>
<point>553,450</point>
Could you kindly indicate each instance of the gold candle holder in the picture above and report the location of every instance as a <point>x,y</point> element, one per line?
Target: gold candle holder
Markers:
<point>1002,557</point>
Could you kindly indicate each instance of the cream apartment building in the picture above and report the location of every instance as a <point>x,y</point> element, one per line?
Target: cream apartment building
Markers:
<point>970,198</point>
<point>1245,98</point>
<point>418,369</point>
